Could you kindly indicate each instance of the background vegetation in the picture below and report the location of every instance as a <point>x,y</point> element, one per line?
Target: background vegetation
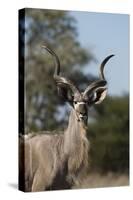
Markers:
<point>108,123</point>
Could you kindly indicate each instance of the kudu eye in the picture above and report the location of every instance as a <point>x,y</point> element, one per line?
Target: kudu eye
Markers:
<point>75,102</point>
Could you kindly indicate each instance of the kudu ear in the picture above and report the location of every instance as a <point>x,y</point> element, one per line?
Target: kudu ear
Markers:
<point>95,96</point>
<point>65,92</point>
<point>99,95</point>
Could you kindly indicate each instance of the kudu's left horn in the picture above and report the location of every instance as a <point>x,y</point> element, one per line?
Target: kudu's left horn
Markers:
<point>59,79</point>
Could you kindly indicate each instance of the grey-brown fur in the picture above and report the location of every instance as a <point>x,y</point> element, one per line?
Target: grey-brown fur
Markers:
<point>56,161</point>
<point>60,161</point>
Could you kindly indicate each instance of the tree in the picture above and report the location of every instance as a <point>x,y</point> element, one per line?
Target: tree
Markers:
<point>57,29</point>
<point>109,133</point>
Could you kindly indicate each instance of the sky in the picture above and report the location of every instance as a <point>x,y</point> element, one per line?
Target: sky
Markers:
<point>106,34</point>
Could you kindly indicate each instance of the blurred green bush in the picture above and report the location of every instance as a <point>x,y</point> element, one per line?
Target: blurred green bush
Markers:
<point>109,135</point>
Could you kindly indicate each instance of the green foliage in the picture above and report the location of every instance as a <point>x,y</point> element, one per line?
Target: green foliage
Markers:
<point>109,135</point>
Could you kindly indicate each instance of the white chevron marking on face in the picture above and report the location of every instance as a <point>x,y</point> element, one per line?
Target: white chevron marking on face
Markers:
<point>80,102</point>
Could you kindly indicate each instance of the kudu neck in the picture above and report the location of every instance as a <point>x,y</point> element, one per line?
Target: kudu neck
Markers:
<point>74,134</point>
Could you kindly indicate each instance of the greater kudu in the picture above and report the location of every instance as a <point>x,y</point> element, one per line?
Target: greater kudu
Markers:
<point>59,161</point>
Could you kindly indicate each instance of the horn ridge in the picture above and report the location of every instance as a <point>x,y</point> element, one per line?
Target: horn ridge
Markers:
<point>95,85</point>
<point>66,82</point>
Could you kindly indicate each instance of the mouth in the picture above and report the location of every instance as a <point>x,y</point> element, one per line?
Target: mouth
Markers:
<point>83,117</point>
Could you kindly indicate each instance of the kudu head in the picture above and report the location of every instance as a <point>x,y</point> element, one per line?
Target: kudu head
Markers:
<point>95,93</point>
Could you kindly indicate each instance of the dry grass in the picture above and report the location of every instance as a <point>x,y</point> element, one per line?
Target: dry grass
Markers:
<point>109,180</point>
